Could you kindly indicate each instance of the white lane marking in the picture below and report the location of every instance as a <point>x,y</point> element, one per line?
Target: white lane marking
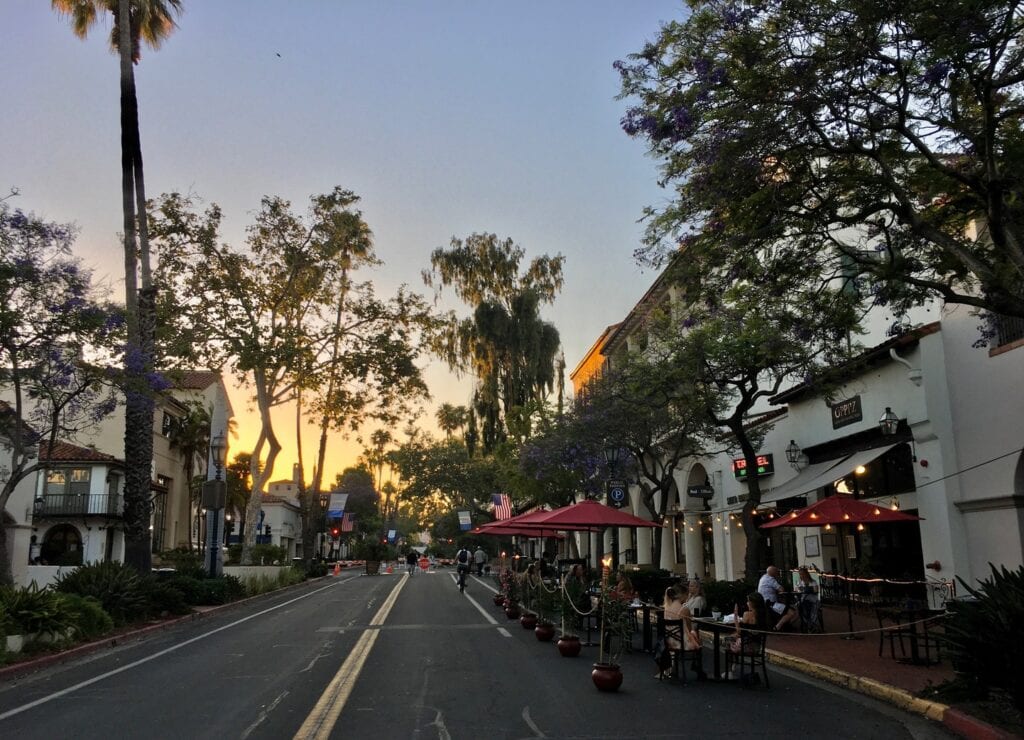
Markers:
<point>154,656</point>
<point>530,723</point>
<point>442,730</point>
<point>504,632</point>
<point>264,713</point>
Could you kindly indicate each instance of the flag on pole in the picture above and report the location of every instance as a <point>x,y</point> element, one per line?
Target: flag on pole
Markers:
<point>465,523</point>
<point>502,506</point>
<point>347,522</point>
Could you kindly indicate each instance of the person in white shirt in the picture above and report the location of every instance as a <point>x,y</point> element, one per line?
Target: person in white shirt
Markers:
<point>479,557</point>
<point>773,593</point>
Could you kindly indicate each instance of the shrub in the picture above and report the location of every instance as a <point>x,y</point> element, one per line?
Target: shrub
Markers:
<point>122,591</point>
<point>650,585</point>
<point>981,634</point>
<point>91,621</point>
<point>185,563</point>
<point>317,570</point>
<point>33,610</point>
<point>723,596</point>
<point>214,591</point>
<point>166,598</point>
<point>261,554</point>
<point>190,588</point>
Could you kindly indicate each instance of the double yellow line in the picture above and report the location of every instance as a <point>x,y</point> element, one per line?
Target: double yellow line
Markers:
<point>328,708</point>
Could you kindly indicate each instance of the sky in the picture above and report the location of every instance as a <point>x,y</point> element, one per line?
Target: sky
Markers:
<point>447,117</point>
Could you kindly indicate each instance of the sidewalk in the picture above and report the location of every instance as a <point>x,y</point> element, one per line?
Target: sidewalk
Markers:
<point>857,666</point>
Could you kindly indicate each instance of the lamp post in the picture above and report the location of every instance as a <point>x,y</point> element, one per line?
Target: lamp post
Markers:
<point>611,457</point>
<point>214,498</point>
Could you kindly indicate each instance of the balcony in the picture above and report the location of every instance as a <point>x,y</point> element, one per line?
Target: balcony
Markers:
<point>61,505</point>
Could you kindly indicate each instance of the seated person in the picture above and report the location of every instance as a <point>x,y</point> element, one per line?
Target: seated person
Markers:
<point>623,590</point>
<point>755,617</point>
<point>772,593</point>
<point>675,609</point>
<point>695,601</point>
<point>807,590</point>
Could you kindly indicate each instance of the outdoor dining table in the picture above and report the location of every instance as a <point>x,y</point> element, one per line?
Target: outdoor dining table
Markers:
<point>717,629</point>
<point>646,624</point>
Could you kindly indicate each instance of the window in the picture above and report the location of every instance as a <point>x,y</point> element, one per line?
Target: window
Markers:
<point>62,545</point>
<point>1006,329</point>
<point>69,481</point>
<point>169,424</point>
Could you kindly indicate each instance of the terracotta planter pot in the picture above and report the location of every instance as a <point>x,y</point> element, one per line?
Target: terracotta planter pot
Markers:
<point>499,599</point>
<point>569,646</point>
<point>544,631</point>
<point>607,677</point>
<point>528,621</point>
<point>512,612</point>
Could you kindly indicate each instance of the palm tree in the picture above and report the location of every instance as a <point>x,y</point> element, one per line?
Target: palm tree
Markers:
<point>191,436</point>
<point>134,21</point>
<point>450,418</point>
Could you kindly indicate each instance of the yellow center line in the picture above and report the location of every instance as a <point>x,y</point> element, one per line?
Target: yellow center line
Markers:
<point>324,716</point>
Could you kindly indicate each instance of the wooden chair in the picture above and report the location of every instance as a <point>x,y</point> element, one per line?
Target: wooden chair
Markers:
<point>675,630</point>
<point>751,655</point>
<point>891,629</point>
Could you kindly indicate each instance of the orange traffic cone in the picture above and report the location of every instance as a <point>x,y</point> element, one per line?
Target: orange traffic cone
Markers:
<point>390,570</point>
<point>337,569</point>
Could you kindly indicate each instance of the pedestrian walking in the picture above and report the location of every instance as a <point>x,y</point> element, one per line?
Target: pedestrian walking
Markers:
<point>479,557</point>
<point>410,562</point>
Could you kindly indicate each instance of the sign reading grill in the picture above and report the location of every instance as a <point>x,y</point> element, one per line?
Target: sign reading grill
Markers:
<point>701,491</point>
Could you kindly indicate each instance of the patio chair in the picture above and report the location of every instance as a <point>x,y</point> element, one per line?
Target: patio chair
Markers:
<point>674,630</point>
<point>892,630</point>
<point>749,658</point>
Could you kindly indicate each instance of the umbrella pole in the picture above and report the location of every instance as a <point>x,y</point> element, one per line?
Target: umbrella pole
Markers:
<point>849,597</point>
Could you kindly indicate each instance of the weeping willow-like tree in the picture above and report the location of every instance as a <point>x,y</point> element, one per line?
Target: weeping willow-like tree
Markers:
<point>508,347</point>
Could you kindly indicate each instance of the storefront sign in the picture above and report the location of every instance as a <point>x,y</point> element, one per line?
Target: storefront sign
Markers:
<point>701,491</point>
<point>847,412</point>
<point>765,466</point>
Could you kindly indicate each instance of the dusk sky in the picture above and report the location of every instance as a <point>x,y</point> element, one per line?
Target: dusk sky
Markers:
<point>447,117</point>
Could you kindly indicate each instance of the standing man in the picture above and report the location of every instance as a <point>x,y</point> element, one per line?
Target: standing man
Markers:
<point>479,557</point>
<point>410,561</point>
<point>774,598</point>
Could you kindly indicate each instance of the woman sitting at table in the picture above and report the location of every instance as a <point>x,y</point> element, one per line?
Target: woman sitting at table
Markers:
<point>674,609</point>
<point>623,588</point>
<point>754,618</point>
<point>695,600</point>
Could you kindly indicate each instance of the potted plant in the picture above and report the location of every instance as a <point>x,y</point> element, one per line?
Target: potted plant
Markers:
<point>372,551</point>
<point>615,630</point>
<point>546,604</point>
<point>570,600</point>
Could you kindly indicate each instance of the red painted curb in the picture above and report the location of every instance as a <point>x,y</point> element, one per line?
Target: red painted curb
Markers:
<point>973,728</point>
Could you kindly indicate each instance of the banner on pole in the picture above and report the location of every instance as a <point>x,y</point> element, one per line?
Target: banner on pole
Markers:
<point>465,523</point>
<point>337,506</point>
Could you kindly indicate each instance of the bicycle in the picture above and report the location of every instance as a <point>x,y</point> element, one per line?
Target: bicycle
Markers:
<point>462,570</point>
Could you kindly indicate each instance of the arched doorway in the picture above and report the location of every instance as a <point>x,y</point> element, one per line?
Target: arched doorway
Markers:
<point>62,545</point>
<point>698,543</point>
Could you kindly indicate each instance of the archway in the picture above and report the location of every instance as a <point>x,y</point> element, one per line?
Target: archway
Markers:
<point>698,544</point>
<point>62,545</point>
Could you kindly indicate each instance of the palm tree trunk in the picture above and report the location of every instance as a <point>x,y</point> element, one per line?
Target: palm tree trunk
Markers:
<point>138,444</point>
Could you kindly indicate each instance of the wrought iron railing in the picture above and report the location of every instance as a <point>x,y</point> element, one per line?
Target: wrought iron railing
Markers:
<point>68,504</point>
<point>870,591</point>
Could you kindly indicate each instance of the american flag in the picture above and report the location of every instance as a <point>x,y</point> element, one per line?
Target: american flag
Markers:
<point>347,521</point>
<point>502,506</point>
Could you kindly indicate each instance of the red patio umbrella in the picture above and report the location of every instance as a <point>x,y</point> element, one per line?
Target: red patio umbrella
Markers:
<point>496,530</point>
<point>840,509</point>
<point>587,514</point>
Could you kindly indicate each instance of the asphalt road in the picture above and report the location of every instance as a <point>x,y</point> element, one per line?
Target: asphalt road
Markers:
<point>400,657</point>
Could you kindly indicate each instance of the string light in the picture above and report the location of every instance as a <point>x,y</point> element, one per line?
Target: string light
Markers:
<point>860,470</point>
<point>828,527</point>
<point>860,527</point>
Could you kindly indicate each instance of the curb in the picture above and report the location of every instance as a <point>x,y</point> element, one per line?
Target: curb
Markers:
<point>953,719</point>
<point>25,667</point>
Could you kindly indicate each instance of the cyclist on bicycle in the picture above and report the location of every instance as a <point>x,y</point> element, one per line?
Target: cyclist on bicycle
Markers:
<point>462,561</point>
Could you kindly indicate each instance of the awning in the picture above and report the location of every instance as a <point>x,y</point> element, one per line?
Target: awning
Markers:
<point>825,473</point>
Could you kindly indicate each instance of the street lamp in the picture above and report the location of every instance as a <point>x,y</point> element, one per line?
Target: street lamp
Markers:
<point>888,422</point>
<point>214,497</point>
<point>611,457</point>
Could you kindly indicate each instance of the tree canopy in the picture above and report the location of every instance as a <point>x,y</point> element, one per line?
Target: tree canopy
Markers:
<point>880,141</point>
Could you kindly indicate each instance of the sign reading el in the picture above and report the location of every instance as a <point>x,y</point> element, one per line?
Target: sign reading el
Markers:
<point>765,466</point>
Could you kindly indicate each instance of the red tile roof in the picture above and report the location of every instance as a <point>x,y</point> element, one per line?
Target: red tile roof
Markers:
<point>67,452</point>
<point>198,379</point>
